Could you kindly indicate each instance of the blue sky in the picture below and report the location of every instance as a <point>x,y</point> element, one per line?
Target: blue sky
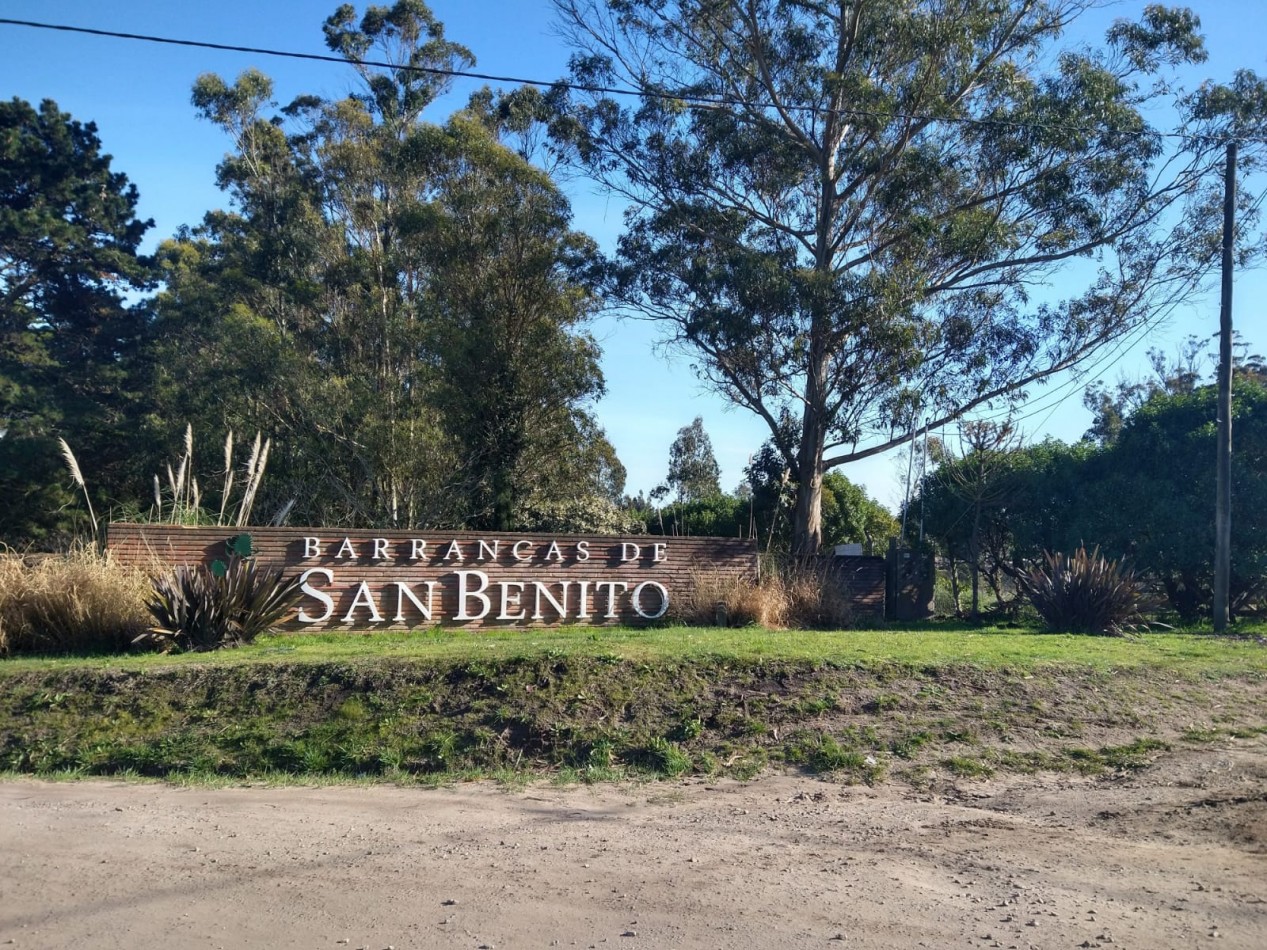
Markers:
<point>138,94</point>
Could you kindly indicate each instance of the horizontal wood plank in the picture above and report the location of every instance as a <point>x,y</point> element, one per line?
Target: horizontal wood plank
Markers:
<point>376,579</point>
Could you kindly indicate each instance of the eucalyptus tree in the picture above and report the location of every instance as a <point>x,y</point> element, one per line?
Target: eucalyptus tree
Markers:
<point>869,213</point>
<point>693,470</point>
<point>506,309</point>
<point>411,294</point>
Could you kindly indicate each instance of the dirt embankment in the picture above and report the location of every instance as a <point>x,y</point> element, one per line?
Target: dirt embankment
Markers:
<point>599,718</point>
<point>1172,855</point>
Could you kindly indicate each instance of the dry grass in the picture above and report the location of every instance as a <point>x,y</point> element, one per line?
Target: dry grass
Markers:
<point>714,597</point>
<point>788,595</point>
<point>815,595</point>
<point>80,602</point>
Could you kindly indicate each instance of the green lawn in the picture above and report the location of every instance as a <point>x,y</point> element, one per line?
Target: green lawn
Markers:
<point>1186,652</point>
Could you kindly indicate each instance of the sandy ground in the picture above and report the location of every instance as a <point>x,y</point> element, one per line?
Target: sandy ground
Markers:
<point>1174,856</point>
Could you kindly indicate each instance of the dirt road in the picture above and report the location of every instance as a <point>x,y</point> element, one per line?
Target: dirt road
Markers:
<point>1174,856</point>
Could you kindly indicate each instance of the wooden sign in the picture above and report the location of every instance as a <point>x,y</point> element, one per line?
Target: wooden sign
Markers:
<point>381,580</point>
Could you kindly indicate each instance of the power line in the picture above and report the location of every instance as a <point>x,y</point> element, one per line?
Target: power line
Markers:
<point>689,99</point>
<point>1053,399</point>
<point>1114,355</point>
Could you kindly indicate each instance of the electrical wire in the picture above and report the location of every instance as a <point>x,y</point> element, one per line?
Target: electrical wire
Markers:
<point>688,99</point>
<point>1107,361</point>
<point>1055,398</point>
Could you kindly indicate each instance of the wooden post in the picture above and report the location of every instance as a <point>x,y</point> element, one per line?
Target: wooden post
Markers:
<point>891,585</point>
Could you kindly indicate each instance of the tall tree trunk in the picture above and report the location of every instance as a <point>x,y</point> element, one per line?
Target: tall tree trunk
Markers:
<point>807,524</point>
<point>992,579</point>
<point>807,527</point>
<point>807,530</point>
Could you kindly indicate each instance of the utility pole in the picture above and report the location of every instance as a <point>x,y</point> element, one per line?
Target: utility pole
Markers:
<point>1223,492</point>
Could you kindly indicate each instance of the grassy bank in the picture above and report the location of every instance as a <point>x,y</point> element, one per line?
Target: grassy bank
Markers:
<point>595,705</point>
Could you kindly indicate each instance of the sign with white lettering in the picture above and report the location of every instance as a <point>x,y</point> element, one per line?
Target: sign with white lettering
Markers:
<point>366,580</point>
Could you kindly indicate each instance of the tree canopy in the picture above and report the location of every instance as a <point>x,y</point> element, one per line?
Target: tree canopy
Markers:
<point>844,211</point>
<point>69,341</point>
<point>693,470</point>
<point>411,297</point>
<point>1146,495</point>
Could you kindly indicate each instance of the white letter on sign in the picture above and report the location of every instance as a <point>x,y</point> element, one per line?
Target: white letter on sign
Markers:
<point>543,593</point>
<point>637,600</point>
<point>465,593</point>
<point>321,596</point>
<point>363,598</point>
<point>312,548</point>
<point>404,590</point>
<point>510,599</point>
<point>624,551</point>
<point>611,595</point>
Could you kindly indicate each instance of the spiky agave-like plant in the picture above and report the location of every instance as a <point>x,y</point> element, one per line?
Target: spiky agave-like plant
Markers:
<point>188,612</point>
<point>198,609</point>
<point>1087,593</point>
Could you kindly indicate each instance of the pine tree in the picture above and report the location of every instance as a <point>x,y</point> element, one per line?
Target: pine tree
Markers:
<point>69,342</point>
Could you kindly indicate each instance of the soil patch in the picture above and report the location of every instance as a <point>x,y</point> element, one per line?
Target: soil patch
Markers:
<point>1167,855</point>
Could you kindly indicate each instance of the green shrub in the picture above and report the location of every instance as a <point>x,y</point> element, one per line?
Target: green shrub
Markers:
<point>1086,593</point>
<point>720,516</point>
<point>585,514</point>
<point>79,602</point>
<point>199,608</point>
